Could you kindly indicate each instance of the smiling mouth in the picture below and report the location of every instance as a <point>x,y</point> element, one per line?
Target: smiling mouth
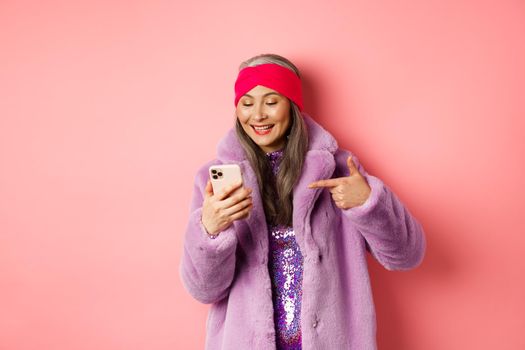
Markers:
<point>262,129</point>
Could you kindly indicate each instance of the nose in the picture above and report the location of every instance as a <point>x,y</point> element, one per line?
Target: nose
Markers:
<point>260,113</point>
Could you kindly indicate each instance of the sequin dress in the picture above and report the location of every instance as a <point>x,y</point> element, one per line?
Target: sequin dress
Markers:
<point>285,264</point>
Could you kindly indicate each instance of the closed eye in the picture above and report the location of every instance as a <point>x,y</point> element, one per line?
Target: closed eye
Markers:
<point>250,104</point>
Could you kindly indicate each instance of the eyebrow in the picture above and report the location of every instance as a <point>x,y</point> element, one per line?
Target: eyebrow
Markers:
<point>269,93</point>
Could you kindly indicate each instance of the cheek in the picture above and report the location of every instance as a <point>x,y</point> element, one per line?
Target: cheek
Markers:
<point>243,116</point>
<point>285,119</point>
<point>243,121</point>
<point>283,114</point>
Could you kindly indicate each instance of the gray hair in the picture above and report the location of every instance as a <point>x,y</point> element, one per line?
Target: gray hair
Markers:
<point>277,197</point>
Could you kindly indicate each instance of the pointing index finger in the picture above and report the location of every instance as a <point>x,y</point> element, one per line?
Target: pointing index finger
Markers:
<point>325,183</point>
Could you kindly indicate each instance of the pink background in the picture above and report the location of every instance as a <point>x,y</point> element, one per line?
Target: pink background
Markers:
<point>107,109</point>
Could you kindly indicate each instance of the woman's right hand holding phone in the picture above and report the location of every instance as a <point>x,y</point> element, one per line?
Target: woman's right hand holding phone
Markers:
<point>220,210</point>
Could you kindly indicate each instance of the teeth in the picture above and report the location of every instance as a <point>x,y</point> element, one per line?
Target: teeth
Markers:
<point>266,127</point>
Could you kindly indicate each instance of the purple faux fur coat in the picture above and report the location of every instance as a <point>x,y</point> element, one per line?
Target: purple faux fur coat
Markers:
<point>231,271</point>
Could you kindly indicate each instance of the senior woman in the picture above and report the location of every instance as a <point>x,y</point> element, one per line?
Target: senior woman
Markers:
<point>281,257</point>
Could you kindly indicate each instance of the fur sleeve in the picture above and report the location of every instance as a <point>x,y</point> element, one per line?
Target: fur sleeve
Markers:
<point>395,238</point>
<point>208,265</point>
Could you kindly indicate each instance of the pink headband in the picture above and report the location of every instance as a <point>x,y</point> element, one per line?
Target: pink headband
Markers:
<point>273,76</point>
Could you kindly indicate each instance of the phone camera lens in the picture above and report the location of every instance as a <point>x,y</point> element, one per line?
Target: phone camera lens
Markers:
<point>215,177</point>
<point>213,171</point>
<point>219,173</point>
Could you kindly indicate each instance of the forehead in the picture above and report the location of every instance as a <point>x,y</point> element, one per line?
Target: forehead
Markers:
<point>259,91</point>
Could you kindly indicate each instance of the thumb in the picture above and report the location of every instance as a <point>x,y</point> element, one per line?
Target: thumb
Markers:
<point>208,191</point>
<point>351,165</point>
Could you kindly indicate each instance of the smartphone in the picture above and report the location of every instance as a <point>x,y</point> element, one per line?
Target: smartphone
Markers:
<point>224,175</point>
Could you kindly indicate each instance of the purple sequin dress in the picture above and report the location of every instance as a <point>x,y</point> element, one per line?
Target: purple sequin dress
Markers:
<point>285,265</point>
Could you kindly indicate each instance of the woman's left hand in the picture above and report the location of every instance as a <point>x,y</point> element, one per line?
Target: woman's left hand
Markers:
<point>349,191</point>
